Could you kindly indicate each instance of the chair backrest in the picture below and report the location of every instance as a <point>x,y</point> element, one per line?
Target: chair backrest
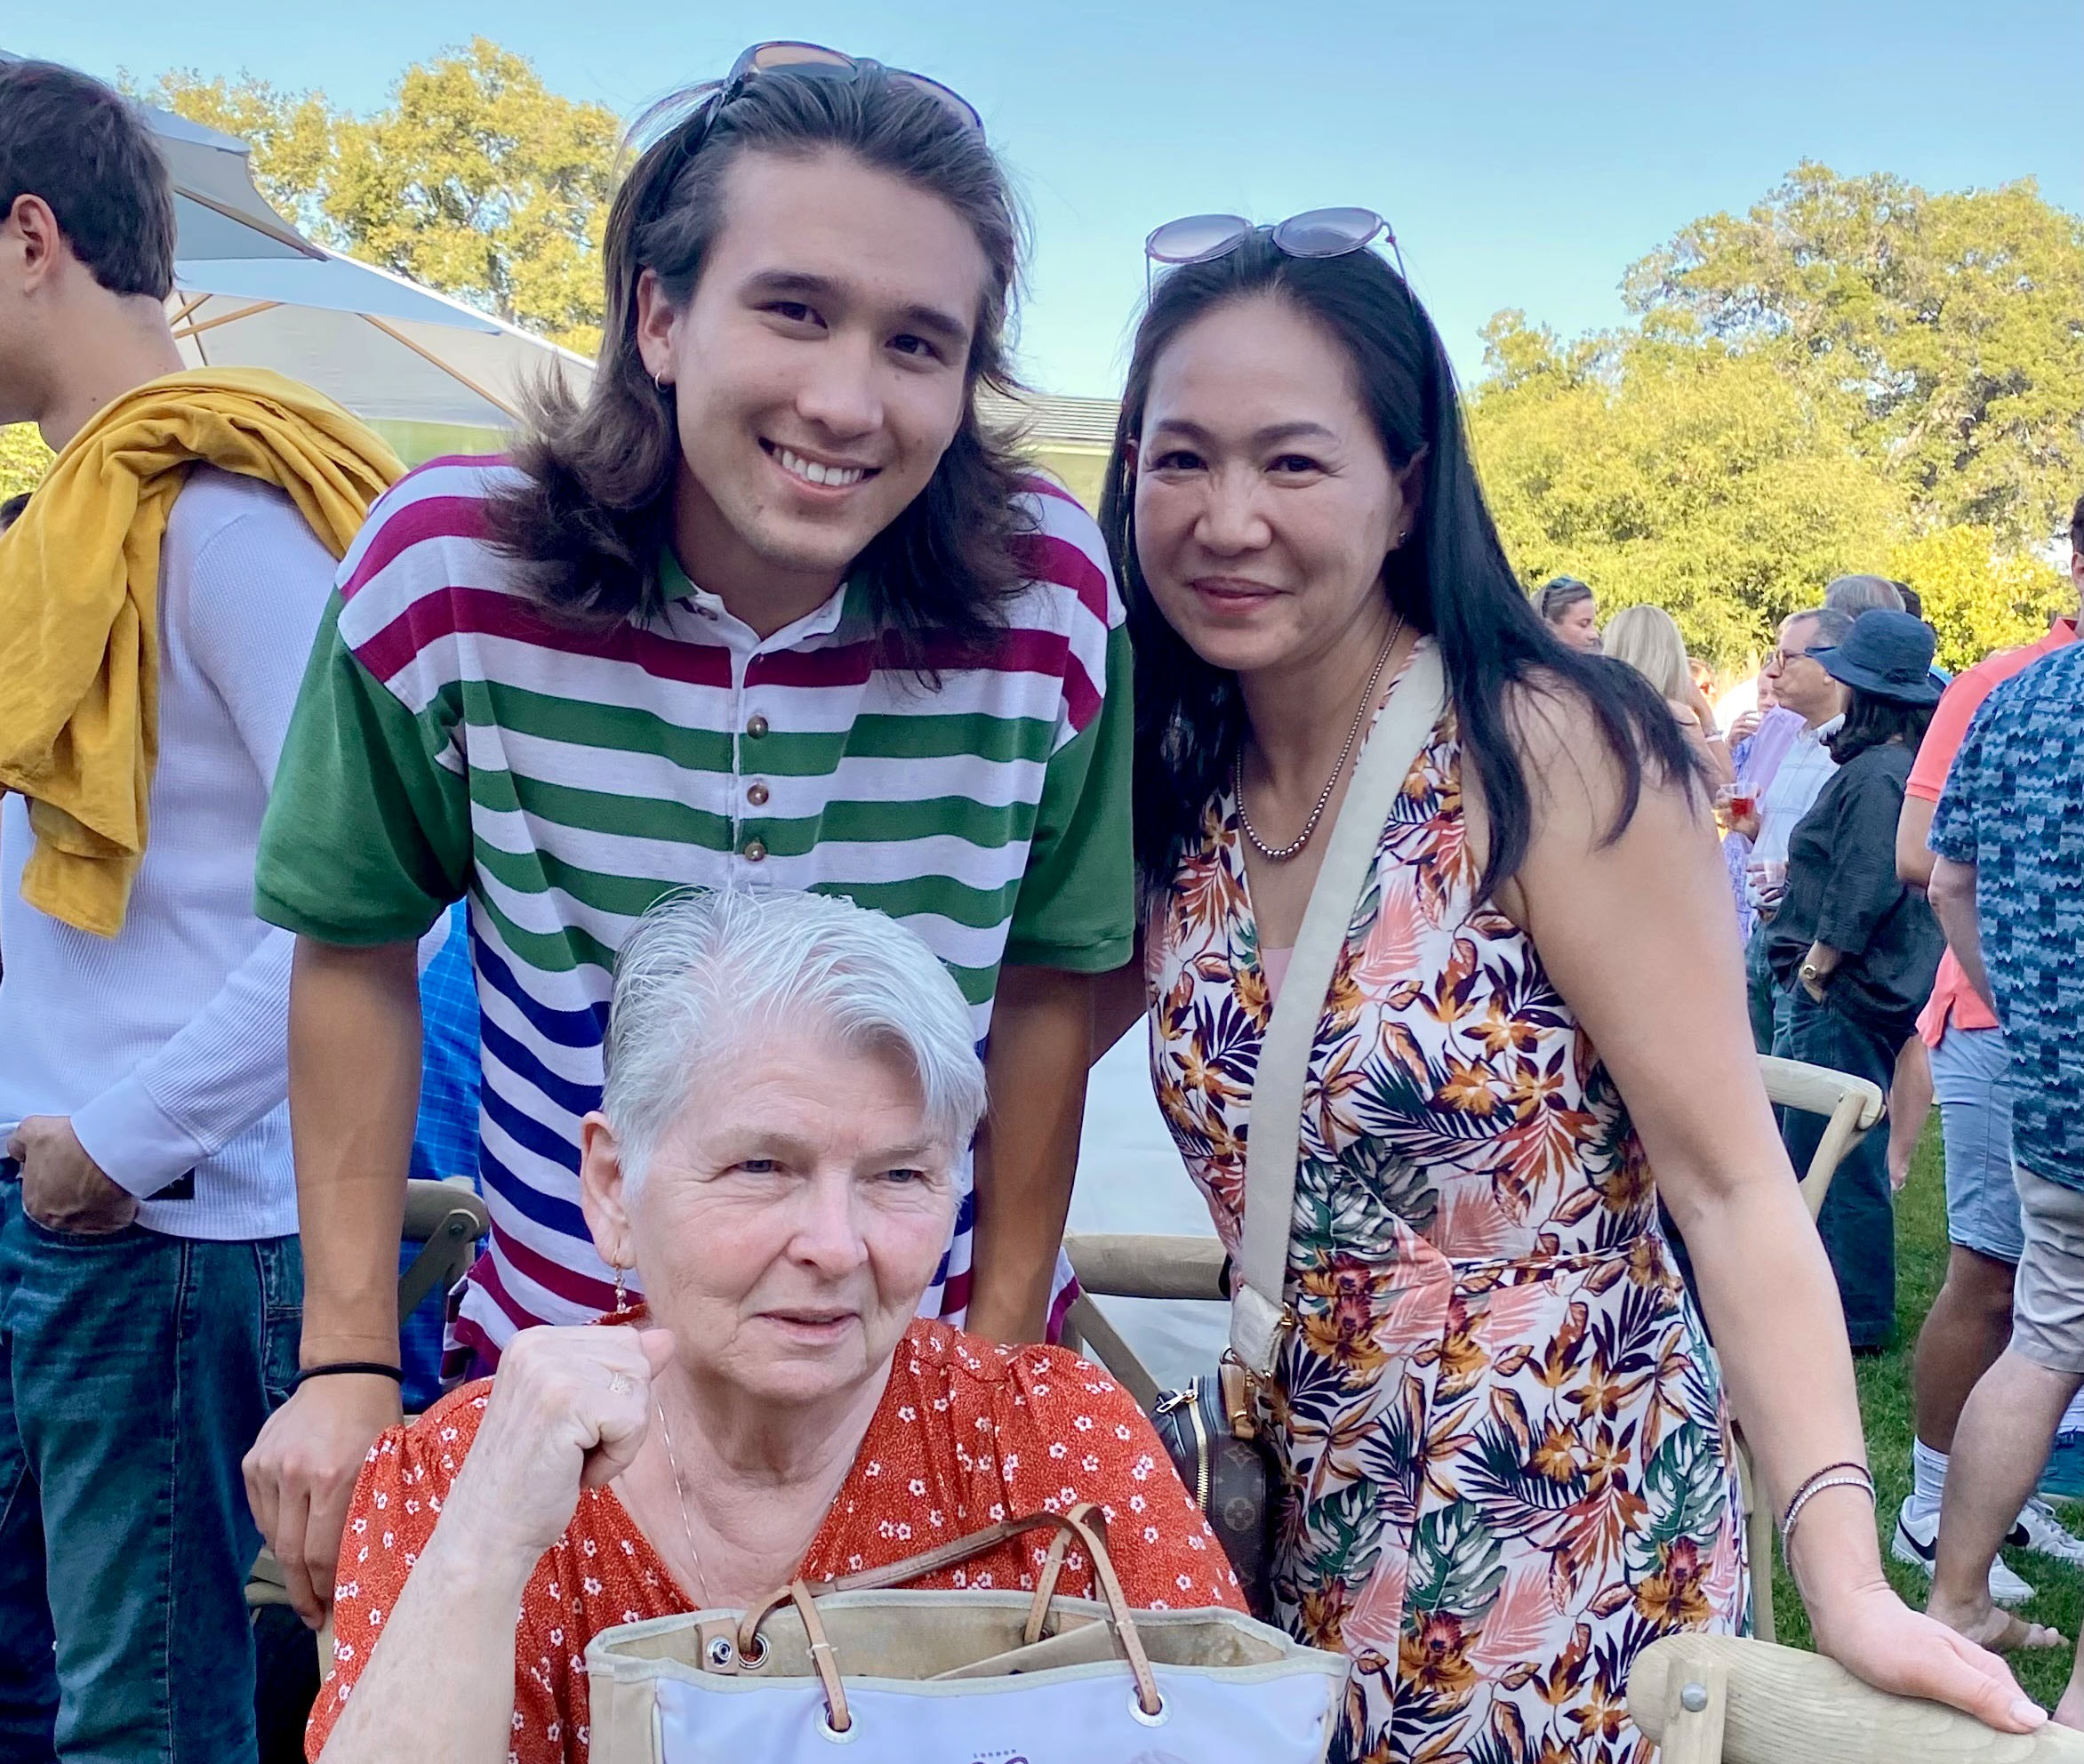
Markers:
<point>1134,1264</point>
<point>1853,1107</point>
<point>446,1219</point>
<point>1715,1699</point>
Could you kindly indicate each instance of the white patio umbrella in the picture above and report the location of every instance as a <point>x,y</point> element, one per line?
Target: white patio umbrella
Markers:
<point>249,290</point>
<point>387,349</point>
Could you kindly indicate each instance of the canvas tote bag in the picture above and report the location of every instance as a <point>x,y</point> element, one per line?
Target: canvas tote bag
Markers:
<point>852,1672</point>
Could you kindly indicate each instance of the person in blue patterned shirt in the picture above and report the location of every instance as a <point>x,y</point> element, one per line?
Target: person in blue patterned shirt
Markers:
<point>445,1135</point>
<point>2007,884</point>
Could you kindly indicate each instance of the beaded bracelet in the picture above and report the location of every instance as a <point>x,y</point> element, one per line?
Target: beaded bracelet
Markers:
<point>1831,1476</point>
<point>1802,1487</point>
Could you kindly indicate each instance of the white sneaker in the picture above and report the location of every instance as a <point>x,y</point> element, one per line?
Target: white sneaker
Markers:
<point>1915,1543</point>
<point>2044,1532</point>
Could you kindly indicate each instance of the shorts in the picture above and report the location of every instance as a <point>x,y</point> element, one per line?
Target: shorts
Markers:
<point>2047,1303</point>
<point>1971,1080</point>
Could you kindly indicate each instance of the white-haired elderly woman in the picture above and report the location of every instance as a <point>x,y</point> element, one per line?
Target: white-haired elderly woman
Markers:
<point>791,1079</point>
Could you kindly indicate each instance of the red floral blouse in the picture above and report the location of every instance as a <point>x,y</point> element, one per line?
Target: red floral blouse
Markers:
<point>968,1433</point>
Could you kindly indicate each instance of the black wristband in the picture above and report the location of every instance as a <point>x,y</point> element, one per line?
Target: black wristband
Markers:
<point>375,1368</point>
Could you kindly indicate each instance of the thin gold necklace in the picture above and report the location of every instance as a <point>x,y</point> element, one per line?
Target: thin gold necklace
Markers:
<point>702,1586</point>
<point>1282,853</point>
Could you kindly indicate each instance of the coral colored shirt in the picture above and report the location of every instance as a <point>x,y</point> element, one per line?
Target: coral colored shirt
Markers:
<point>968,1433</point>
<point>1953,997</point>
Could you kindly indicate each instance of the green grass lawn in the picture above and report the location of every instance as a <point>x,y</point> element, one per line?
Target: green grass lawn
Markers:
<point>1885,1405</point>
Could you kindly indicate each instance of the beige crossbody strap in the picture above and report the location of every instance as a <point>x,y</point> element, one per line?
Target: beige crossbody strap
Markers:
<point>1273,1140</point>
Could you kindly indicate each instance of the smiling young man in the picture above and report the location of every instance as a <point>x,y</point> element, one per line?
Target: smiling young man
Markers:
<point>770,611</point>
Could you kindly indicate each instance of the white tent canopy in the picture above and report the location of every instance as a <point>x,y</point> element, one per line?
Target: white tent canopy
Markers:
<point>387,349</point>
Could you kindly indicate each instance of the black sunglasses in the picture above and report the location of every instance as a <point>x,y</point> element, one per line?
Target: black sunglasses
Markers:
<point>800,61</point>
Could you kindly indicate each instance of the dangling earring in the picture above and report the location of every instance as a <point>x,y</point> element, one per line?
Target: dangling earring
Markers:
<point>621,1290</point>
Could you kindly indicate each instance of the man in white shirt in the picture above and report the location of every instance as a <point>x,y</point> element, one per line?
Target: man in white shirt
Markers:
<point>1802,686</point>
<point>150,1282</point>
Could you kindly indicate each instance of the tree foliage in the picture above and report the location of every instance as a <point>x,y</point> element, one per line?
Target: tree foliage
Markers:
<point>23,457</point>
<point>474,178</point>
<point>1699,478</point>
<point>1954,321</point>
<point>1977,596</point>
<point>1855,376</point>
<point>293,136</point>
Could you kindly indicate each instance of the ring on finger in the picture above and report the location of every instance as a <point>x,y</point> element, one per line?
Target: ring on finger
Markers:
<point>621,1383</point>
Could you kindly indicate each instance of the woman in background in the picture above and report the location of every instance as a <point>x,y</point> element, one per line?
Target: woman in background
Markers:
<point>1572,613</point>
<point>1647,640</point>
<point>1854,949</point>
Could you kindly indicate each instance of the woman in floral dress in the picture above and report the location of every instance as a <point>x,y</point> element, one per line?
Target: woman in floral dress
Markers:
<point>1503,1436</point>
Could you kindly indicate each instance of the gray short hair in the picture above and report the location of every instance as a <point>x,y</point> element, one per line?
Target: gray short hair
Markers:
<point>1856,595</point>
<point>1833,623</point>
<point>702,973</point>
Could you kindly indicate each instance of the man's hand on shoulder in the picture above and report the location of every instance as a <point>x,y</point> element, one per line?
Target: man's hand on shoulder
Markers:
<point>62,1189</point>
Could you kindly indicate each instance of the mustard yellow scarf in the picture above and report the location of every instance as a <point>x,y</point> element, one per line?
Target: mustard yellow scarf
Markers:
<point>79,592</point>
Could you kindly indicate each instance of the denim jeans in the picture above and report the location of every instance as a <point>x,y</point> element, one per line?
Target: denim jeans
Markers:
<point>135,1370</point>
<point>1764,995</point>
<point>1859,1221</point>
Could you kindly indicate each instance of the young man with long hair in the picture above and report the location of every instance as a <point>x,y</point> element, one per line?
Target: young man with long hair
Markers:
<point>157,597</point>
<point>770,609</point>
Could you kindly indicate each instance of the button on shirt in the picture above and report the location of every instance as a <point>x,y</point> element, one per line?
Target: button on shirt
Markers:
<point>2014,807</point>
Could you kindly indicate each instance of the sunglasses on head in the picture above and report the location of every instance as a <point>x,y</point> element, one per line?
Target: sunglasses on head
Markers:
<point>813,60</point>
<point>1318,232</point>
<point>803,61</point>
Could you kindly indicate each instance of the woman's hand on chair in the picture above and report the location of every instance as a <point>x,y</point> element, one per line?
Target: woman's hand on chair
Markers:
<point>567,1411</point>
<point>1875,1636</point>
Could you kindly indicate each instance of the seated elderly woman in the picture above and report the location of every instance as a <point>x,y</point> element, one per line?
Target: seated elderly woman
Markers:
<point>791,1081</point>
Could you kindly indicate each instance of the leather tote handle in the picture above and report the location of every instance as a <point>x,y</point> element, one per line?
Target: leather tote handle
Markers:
<point>1272,1145</point>
<point>1080,1526</point>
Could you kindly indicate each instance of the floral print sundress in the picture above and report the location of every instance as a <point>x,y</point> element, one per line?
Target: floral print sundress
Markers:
<point>1506,1451</point>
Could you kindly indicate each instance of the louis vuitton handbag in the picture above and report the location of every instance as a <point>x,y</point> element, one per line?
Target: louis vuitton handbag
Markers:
<point>1212,1427</point>
<point>853,1669</point>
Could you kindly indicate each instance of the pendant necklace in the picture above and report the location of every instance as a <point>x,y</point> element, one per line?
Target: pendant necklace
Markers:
<point>1282,853</point>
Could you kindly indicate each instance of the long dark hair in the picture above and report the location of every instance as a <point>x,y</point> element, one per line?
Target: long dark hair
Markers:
<point>1871,721</point>
<point>593,504</point>
<point>1451,578</point>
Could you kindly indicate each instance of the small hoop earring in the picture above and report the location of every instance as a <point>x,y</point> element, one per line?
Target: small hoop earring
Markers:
<point>621,1289</point>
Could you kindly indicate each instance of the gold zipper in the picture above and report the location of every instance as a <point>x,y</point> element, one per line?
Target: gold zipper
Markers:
<point>1201,1466</point>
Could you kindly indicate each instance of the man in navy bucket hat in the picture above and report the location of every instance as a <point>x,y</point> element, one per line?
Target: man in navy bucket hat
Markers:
<point>1854,950</point>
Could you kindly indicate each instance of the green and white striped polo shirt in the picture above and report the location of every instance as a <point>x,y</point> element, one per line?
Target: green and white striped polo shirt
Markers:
<point>453,738</point>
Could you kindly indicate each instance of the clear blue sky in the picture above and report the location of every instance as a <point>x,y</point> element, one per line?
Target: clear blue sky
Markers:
<point>1526,151</point>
